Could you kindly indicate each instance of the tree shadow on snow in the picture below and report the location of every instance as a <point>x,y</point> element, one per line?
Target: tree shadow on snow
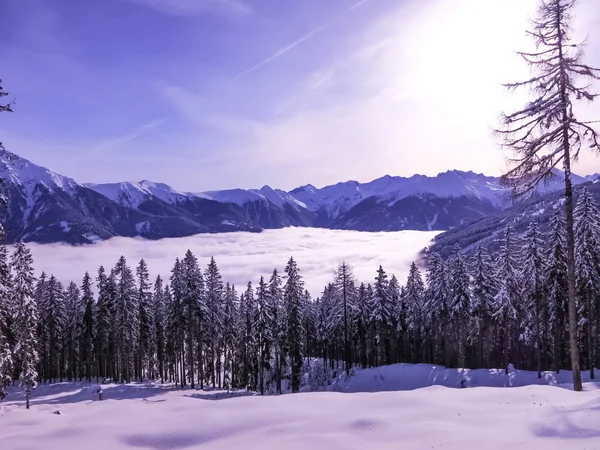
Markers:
<point>65,393</point>
<point>220,395</point>
<point>564,427</point>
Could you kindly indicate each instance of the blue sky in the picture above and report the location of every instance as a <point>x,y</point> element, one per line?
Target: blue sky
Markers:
<point>211,94</point>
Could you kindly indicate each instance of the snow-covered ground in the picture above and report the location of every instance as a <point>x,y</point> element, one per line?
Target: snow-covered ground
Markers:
<point>149,416</point>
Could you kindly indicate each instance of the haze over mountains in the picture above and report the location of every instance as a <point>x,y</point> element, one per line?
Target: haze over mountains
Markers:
<point>47,207</point>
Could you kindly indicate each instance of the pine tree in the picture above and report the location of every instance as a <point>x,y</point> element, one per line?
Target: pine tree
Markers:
<point>437,305</point>
<point>146,320</point>
<point>26,354</point>
<point>557,283</point>
<point>127,319</point>
<point>177,321</point>
<point>214,305</point>
<point>344,283</point>
<point>509,293</point>
<point>546,132</point>
<point>483,291</point>
<point>292,300</point>
<point>381,313</point>
<point>54,317</point>
<point>247,340</point>
<point>230,332</point>
<point>105,325</point>
<point>275,300</point>
<point>6,368</point>
<point>264,332</point>
<point>460,305</point>
<point>159,338</point>
<point>534,269</point>
<point>7,309</point>
<point>361,317</point>
<point>195,310</point>
<point>587,259</point>
<point>73,318</point>
<point>6,321</point>
<point>414,296</point>
<point>86,328</point>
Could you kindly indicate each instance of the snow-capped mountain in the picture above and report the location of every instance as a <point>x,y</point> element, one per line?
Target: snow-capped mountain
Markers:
<point>47,207</point>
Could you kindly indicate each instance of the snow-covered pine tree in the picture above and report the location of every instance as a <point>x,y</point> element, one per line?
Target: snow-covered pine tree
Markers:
<point>195,310</point>
<point>309,316</point>
<point>533,274</point>
<point>215,309</point>
<point>53,315</point>
<point>587,259</point>
<point>159,336</point>
<point>264,334</point>
<point>7,310</point>
<point>6,367</point>
<point>484,288</point>
<point>176,322</point>
<point>361,317</point>
<point>547,132</point>
<point>557,284</point>
<point>6,320</point>
<point>292,300</point>
<point>396,318</point>
<point>86,328</point>
<point>146,320</point>
<point>346,292</point>
<point>437,306</point>
<point>25,353</point>
<point>381,313</point>
<point>40,297</point>
<point>505,304</point>
<point>72,342</point>
<point>460,304</point>
<point>105,325</point>
<point>414,295</point>
<point>327,324</point>
<point>247,334</point>
<point>127,319</point>
<point>174,331</point>
<point>230,332</point>
<point>278,325</point>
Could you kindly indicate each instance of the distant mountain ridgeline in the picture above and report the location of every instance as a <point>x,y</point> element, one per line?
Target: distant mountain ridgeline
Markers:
<point>47,207</point>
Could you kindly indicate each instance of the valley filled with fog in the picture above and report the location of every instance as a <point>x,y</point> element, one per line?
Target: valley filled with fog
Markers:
<point>244,257</point>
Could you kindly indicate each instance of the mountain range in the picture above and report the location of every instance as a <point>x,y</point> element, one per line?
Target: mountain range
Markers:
<point>46,207</point>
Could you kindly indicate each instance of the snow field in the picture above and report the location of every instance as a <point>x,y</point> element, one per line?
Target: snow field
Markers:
<point>150,416</point>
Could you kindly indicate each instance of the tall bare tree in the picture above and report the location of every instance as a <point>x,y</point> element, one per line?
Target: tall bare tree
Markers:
<point>546,133</point>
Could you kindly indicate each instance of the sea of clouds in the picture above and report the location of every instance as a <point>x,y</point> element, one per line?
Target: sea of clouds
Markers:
<point>244,257</point>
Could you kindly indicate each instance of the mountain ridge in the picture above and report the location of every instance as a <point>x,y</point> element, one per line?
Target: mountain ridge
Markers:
<point>44,206</point>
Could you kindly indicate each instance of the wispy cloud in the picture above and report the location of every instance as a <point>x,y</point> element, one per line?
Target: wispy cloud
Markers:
<point>118,141</point>
<point>287,48</point>
<point>282,51</point>
<point>187,8</point>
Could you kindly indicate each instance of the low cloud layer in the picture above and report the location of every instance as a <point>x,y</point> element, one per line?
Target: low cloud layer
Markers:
<point>244,257</point>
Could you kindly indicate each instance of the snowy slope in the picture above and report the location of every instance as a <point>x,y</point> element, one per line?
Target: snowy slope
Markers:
<point>132,194</point>
<point>23,173</point>
<point>240,197</point>
<point>150,416</point>
<point>339,198</point>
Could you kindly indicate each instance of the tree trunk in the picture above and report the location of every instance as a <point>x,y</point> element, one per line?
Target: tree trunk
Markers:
<point>577,386</point>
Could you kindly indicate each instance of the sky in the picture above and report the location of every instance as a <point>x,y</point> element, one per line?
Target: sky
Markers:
<point>215,94</point>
